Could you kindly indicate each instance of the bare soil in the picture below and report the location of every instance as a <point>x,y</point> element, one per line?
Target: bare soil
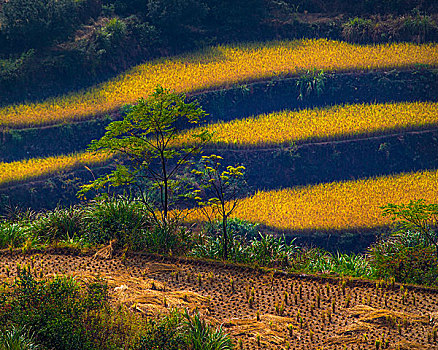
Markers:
<point>261,310</point>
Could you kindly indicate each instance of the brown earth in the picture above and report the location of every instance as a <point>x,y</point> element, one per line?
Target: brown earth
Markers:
<point>262,309</point>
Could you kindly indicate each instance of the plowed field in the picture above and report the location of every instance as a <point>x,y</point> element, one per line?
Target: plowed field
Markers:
<point>262,309</point>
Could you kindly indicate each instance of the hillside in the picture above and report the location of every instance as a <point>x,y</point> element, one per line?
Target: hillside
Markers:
<point>193,175</point>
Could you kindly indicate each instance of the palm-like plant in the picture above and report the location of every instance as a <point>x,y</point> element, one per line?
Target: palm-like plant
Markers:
<point>201,336</point>
<point>18,338</point>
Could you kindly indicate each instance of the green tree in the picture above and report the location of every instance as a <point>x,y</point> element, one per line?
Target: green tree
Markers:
<point>220,191</point>
<point>415,216</point>
<point>147,138</point>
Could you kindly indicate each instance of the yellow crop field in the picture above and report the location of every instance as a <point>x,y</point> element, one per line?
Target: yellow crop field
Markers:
<point>215,67</point>
<point>308,125</point>
<point>336,205</point>
<point>30,169</point>
<point>331,123</point>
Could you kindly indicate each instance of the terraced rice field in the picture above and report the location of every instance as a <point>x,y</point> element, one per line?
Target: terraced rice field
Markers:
<point>31,169</point>
<point>219,66</point>
<point>308,125</point>
<point>348,205</point>
<point>262,310</point>
<point>332,123</point>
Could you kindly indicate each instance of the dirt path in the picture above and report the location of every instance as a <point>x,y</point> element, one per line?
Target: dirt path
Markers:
<point>275,311</point>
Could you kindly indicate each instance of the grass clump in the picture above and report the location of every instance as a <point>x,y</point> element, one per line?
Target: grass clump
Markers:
<point>266,250</point>
<point>315,260</point>
<point>18,338</point>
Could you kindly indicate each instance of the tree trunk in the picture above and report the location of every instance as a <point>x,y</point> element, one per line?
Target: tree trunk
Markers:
<point>225,233</point>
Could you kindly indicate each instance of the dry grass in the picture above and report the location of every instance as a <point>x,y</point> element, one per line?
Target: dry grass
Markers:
<point>369,314</point>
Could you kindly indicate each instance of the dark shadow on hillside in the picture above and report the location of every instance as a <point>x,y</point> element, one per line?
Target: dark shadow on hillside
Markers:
<point>245,100</point>
<point>355,240</point>
<point>336,161</point>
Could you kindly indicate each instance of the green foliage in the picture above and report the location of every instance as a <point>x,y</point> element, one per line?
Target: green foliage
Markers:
<point>119,219</point>
<point>419,27</point>
<point>47,307</point>
<point>122,221</point>
<point>112,35</point>
<point>17,338</point>
<point>146,137</point>
<point>65,315</point>
<point>164,334</point>
<point>201,336</point>
<point>177,19</point>
<point>409,254</point>
<point>406,258</point>
<point>235,19</point>
<point>265,250</point>
<point>125,7</point>
<point>173,239</point>
<point>13,234</point>
<point>413,27</point>
<point>235,226</point>
<point>58,224</point>
<point>311,83</point>
<point>220,190</point>
<point>357,30</point>
<point>37,23</point>
<point>271,250</point>
<point>172,332</point>
<point>316,260</point>
<point>416,216</point>
<point>13,69</point>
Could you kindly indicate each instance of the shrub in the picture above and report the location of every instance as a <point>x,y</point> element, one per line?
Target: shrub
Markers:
<point>235,226</point>
<point>315,260</point>
<point>405,257</point>
<point>12,235</point>
<point>14,69</point>
<point>59,224</point>
<point>53,309</point>
<point>112,35</point>
<point>64,315</point>
<point>414,27</point>
<point>37,23</point>
<point>271,250</point>
<point>171,239</point>
<point>265,250</point>
<point>201,336</point>
<point>358,30</point>
<point>420,28</point>
<point>164,333</point>
<point>117,218</point>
